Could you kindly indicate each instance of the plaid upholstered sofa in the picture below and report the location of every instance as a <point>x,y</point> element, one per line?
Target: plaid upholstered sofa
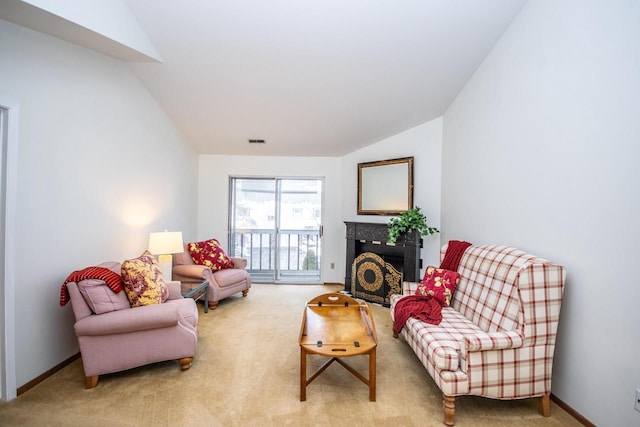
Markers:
<point>498,337</point>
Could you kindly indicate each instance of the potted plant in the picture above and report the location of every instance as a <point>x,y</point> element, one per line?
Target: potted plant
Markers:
<point>413,219</point>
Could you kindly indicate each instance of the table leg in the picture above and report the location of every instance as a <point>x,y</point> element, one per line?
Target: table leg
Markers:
<point>206,299</point>
<point>372,375</point>
<point>303,375</point>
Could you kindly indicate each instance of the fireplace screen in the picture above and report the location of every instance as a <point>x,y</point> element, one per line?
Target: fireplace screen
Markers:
<point>374,279</point>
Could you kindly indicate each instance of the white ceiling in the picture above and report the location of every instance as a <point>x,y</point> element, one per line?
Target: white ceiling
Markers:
<point>311,77</point>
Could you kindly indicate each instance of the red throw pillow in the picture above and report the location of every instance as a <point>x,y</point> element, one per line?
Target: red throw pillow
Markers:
<point>211,254</point>
<point>440,284</point>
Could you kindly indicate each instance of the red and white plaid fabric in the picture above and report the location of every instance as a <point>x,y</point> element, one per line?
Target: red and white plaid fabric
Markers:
<point>498,338</point>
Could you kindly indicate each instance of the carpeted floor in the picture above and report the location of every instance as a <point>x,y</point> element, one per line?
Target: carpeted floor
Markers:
<point>246,373</point>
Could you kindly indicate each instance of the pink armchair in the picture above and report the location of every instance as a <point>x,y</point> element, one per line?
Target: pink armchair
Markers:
<point>222,283</point>
<point>126,337</point>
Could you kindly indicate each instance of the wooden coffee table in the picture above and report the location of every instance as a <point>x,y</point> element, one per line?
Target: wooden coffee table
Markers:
<point>337,326</point>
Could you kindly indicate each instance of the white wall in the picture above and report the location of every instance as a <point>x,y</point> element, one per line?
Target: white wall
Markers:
<point>109,25</point>
<point>100,166</point>
<point>424,143</point>
<point>341,182</point>
<point>541,151</point>
<point>213,215</point>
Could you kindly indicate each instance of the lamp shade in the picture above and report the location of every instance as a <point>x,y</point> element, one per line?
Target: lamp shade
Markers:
<point>166,242</point>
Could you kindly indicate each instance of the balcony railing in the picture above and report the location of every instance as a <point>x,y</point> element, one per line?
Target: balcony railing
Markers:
<point>299,253</point>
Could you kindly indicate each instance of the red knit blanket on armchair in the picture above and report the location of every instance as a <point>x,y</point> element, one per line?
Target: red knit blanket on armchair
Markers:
<point>111,278</point>
<point>422,307</point>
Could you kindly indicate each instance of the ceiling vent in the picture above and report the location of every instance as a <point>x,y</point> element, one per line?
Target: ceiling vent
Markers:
<point>256,141</point>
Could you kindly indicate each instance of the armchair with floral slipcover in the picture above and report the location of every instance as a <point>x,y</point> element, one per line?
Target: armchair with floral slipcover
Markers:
<point>207,260</point>
<point>129,327</point>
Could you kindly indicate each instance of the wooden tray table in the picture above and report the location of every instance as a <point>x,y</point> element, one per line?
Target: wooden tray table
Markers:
<point>337,326</point>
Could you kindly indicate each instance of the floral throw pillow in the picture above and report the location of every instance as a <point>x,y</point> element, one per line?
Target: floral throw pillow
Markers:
<point>211,254</point>
<point>440,284</point>
<point>143,282</point>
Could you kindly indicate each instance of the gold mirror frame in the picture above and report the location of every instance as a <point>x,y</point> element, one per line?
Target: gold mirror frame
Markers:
<point>385,187</point>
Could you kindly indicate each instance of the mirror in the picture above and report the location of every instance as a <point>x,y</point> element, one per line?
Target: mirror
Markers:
<point>385,187</point>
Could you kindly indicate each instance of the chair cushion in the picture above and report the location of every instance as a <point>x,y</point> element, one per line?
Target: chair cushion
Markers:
<point>143,281</point>
<point>100,298</point>
<point>230,277</point>
<point>443,343</point>
<point>210,254</point>
<point>184,257</point>
<point>439,283</point>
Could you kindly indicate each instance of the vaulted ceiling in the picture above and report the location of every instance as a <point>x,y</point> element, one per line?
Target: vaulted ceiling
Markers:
<point>311,77</point>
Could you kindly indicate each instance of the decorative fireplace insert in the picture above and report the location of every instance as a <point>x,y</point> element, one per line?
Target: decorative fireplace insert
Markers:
<point>375,269</point>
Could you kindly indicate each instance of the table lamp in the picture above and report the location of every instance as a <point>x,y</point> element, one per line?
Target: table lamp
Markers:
<point>164,244</point>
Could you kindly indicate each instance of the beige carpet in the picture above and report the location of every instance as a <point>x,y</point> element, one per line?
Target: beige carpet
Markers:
<point>246,373</point>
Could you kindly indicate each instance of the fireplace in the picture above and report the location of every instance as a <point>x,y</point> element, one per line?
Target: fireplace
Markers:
<point>374,279</point>
<point>376,269</point>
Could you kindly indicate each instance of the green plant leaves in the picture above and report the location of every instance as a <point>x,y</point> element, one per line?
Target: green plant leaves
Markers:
<point>413,219</point>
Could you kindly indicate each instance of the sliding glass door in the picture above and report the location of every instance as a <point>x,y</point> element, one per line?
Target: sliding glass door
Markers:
<point>276,224</point>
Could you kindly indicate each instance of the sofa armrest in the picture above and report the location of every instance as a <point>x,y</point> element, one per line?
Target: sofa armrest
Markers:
<point>130,320</point>
<point>485,341</point>
<point>239,263</point>
<point>409,288</point>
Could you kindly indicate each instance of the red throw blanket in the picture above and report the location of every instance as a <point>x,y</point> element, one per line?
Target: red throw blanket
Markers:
<point>112,279</point>
<point>454,253</point>
<point>425,307</point>
<point>422,307</point>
